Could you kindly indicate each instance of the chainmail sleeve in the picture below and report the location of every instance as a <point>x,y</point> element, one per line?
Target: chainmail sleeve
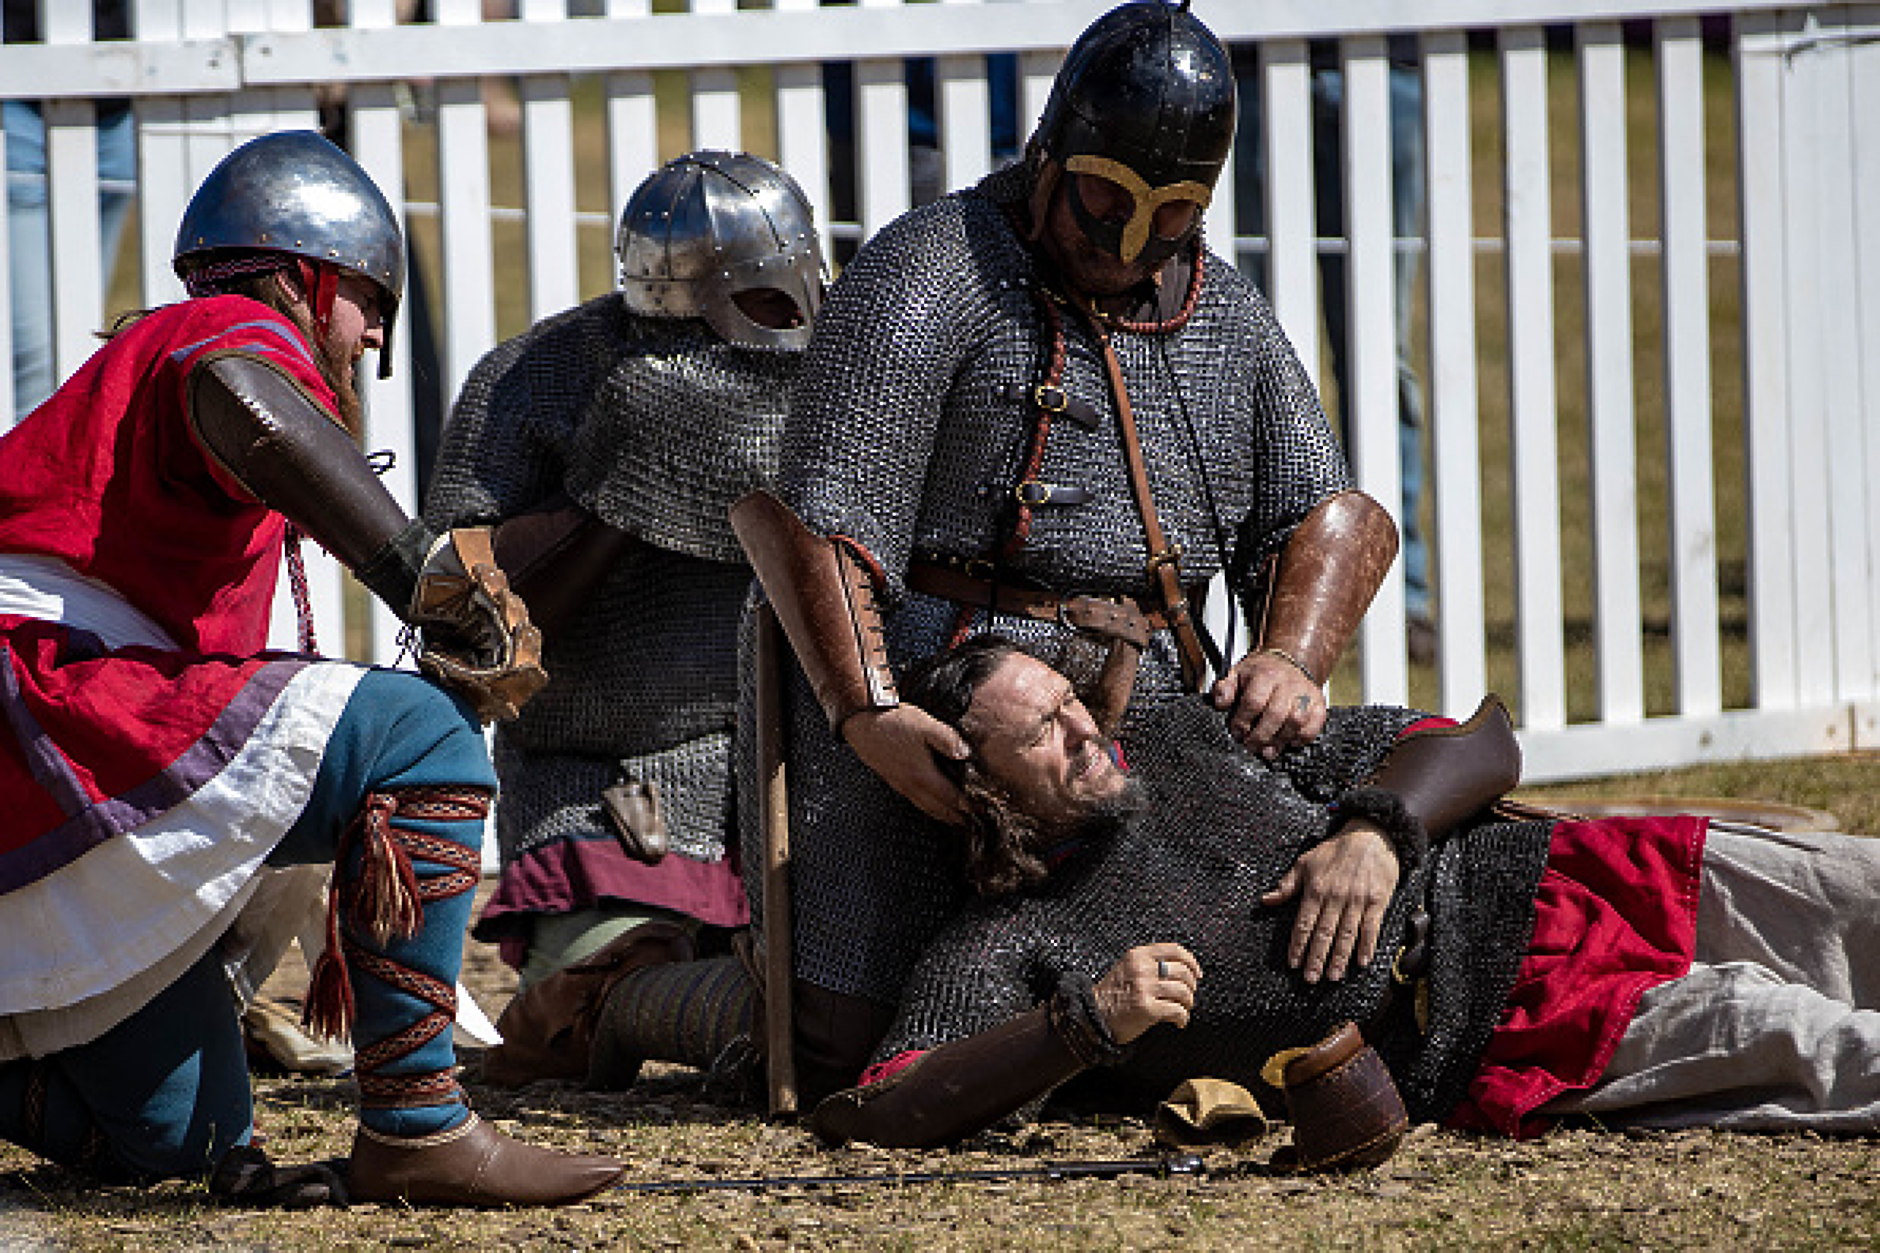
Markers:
<point>1295,460</point>
<point>867,405</point>
<point>1351,748</point>
<point>990,965</point>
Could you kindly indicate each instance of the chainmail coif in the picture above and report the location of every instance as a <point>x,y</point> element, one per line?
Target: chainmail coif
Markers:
<point>906,434</point>
<point>1223,826</point>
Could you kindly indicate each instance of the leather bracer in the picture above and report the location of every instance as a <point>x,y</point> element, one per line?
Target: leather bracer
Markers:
<point>1327,574</point>
<point>825,597</point>
<point>555,557</point>
<point>956,1090</point>
<point>1434,779</point>
<point>293,457</point>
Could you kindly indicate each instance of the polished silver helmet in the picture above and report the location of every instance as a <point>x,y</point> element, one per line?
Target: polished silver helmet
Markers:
<point>294,192</point>
<point>709,226</point>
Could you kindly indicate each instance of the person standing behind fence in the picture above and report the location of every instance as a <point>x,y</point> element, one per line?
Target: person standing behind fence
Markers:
<point>962,449</point>
<point>155,757</point>
<point>605,445</point>
<point>1328,197</point>
<point>29,228</point>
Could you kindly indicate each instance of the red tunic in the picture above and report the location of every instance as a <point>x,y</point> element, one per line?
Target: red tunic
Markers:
<point>108,478</point>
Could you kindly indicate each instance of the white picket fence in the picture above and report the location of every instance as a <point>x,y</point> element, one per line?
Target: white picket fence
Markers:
<point>1799,267</point>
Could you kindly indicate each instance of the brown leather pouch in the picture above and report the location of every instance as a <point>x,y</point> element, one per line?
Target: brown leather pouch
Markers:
<point>632,807</point>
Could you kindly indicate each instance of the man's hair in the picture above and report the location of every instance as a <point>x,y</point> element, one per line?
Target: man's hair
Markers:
<point>1004,846</point>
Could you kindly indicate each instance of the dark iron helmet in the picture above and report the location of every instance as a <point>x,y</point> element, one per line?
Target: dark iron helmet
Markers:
<point>1145,98</point>
<point>710,225</point>
<point>294,192</point>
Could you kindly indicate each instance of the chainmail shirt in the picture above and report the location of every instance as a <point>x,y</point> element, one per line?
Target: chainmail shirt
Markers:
<point>1222,828</point>
<point>907,434</point>
<point>656,425</point>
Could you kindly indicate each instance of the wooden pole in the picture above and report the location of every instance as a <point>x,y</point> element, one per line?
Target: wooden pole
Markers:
<point>779,976</point>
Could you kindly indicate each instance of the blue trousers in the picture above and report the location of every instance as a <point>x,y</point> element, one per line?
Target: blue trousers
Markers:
<point>165,1092</point>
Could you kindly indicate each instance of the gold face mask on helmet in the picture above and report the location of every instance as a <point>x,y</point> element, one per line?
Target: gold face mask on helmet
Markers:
<point>1128,240</point>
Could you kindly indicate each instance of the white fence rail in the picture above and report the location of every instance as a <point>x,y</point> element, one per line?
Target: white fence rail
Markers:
<point>1654,405</point>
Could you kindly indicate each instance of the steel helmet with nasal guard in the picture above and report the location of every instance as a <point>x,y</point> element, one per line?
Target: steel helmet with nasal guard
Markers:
<point>1145,98</point>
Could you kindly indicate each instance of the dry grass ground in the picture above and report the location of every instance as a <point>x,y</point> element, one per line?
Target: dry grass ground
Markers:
<point>1575,1189</point>
<point>1572,1190</point>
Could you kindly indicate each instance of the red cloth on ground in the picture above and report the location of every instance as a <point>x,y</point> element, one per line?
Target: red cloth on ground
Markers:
<point>1616,914</point>
<point>108,478</point>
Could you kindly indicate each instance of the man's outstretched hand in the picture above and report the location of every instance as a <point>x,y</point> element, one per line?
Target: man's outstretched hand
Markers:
<point>1344,886</point>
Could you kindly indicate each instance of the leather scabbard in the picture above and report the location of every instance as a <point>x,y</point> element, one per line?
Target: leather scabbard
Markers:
<point>555,557</point>
<point>1328,572</point>
<point>954,1091</point>
<point>825,597</point>
<point>1445,774</point>
<point>295,458</point>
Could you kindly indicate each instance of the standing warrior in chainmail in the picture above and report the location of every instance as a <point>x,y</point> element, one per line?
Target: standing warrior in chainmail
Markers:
<point>606,445</point>
<point>1038,403</point>
<point>1660,971</point>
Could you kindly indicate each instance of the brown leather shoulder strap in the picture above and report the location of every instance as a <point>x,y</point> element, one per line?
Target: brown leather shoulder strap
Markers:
<point>1164,565</point>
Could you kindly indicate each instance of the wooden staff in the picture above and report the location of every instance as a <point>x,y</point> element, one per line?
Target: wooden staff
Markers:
<point>779,977</point>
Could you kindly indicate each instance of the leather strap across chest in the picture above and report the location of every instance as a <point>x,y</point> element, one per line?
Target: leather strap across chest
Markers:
<point>1164,564</point>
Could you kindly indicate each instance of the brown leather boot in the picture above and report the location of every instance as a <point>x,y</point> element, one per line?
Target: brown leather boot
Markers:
<point>472,1164</point>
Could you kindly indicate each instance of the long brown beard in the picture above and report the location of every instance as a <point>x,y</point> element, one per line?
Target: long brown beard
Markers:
<point>334,368</point>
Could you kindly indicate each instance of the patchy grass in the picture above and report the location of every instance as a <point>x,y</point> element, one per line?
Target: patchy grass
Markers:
<point>1575,1189</point>
<point>1572,1190</point>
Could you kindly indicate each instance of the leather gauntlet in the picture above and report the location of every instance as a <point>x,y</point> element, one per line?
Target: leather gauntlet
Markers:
<point>825,597</point>
<point>295,458</point>
<point>477,637</point>
<point>1327,574</point>
<point>965,1086</point>
<point>1433,779</point>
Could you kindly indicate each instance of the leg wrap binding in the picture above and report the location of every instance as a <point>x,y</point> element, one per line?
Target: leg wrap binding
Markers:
<point>687,1012</point>
<point>385,901</point>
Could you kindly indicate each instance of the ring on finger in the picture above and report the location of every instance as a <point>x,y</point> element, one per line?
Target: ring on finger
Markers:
<point>1303,704</point>
<point>1161,969</point>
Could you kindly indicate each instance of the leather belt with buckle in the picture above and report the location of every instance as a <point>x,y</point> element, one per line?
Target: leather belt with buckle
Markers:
<point>1033,494</point>
<point>965,581</point>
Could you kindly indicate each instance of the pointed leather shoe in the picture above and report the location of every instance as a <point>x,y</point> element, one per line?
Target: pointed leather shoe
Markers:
<point>472,1164</point>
